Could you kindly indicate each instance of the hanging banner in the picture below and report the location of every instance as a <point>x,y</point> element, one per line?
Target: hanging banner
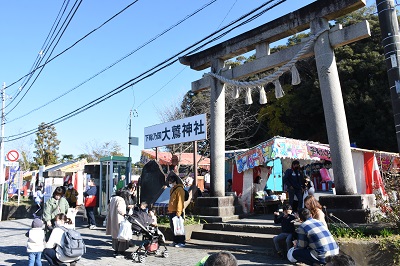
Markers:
<point>178,131</point>
<point>249,159</point>
<point>290,148</point>
<point>319,151</point>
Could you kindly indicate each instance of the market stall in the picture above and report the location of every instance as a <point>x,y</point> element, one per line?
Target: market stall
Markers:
<point>278,153</point>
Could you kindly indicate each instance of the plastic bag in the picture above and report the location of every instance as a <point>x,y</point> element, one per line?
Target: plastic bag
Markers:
<point>290,255</point>
<point>125,230</point>
<point>179,229</point>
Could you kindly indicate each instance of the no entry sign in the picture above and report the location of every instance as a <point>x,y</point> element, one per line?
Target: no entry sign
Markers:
<point>12,155</point>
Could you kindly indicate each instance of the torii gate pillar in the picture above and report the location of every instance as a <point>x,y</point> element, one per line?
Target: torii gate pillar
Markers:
<point>217,140</point>
<point>335,116</point>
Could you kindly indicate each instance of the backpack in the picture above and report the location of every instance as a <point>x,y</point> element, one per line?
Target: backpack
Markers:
<point>186,193</point>
<point>73,245</point>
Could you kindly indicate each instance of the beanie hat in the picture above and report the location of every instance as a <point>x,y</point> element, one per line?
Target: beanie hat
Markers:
<point>37,223</point>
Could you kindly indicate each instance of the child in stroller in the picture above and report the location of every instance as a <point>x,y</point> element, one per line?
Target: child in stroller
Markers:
<point>152,237</point>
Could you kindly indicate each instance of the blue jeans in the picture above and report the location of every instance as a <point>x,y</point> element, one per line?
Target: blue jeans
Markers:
<point>288,238</point>
<point>35,258</point>
<point>299,195</point>
<point>304,255</point>
<point>90,215</point>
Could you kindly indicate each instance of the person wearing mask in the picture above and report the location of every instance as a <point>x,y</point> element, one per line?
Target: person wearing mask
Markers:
<point>71,195</point>
<point>53,252</point>
<point>293,180</point>
<point>133,193</point>
<point>286,219</point>
<point>176,205</point>
<point>90,203</point>
<point>116,212</point>
<point>55,205</point>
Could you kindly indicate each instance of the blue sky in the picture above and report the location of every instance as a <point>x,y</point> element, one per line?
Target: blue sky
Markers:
<point>25,25</point>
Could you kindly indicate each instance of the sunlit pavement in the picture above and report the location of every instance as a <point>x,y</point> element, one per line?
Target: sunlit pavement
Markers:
<point>99,252</point>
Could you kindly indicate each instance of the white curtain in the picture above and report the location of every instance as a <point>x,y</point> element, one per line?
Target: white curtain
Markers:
<point>358,163</point>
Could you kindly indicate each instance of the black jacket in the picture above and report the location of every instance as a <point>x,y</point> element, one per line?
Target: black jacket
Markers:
<point>286,222</point>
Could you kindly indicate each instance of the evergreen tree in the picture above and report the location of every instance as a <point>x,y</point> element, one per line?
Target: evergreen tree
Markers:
<point>47,145</point>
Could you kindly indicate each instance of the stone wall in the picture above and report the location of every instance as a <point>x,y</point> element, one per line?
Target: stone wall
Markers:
<point>17,212</point>
<point>366,252</point>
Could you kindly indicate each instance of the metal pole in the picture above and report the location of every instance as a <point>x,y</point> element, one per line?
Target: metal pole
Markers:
<point>2,176</point>
<point>129,149</point>
<point>391,46</point>
<point>195,166</point>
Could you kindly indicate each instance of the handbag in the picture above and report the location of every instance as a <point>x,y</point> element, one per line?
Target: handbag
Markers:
<point>125,230</point>
<point>179,229</point>
<point>90,201</point>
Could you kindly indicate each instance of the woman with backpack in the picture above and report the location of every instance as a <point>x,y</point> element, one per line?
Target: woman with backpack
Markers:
<point>53,252</point>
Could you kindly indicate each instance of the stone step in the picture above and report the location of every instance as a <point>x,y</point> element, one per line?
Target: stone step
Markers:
<point>218,219</point>
<point>255,239</point>
<point>244,228</point>
<point>268,251</point>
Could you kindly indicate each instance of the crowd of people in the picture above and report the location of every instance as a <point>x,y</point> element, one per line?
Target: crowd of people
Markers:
<point>46,237</point>
<point>310,243</point>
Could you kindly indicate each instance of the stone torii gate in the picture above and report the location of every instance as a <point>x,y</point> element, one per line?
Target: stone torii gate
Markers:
<point>314,16</point>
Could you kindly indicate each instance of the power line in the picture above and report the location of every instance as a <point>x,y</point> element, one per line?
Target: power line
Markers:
<point>48,61</point>
<point>162,87</point>
<point>140,77</point>
<point>57,20</point>
<point>54,47</point>
<point>119,60</point>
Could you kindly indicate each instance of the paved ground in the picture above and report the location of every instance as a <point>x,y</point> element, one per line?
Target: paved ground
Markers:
<point>99,252</point>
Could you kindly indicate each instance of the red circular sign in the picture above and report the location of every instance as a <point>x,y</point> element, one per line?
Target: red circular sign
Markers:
<point>12,156</point>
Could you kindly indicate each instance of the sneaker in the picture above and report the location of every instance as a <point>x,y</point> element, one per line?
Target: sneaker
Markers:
<point>119,256</point>
<point>173,244</point>
<point>92,227</point>
<point>180,245</point>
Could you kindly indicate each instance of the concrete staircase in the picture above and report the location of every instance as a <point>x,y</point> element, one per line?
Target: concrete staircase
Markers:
<point>252,234</point>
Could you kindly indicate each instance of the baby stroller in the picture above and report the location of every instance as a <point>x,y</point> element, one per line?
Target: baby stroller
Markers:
<point>152,237</point>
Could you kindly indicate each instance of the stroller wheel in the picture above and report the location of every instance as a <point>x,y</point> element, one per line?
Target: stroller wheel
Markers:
<point>142,258</point>
<point>135,256</point>
<point>158,252</point>
<point>165,254</point>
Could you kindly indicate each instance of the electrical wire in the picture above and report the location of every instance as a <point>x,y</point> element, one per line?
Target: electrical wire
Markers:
<point>68,48</point>
<point>162,87</point>
<point>119,60</point>
<point>128,83</point>
<point>60,14</point>
<point>54,47</point>
<point>135,80</point>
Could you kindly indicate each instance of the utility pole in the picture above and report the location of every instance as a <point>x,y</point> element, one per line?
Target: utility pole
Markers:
<point>129,149</point>
<point>2,176</point>
<point>391,46</point>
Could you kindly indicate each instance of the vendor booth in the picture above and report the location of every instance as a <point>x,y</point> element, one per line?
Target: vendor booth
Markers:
<point>271,158</point>
<point>111,170</point>
<point>71,172</point>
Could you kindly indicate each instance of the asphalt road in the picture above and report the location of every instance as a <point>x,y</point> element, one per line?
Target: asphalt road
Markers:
<point>99,251</point>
